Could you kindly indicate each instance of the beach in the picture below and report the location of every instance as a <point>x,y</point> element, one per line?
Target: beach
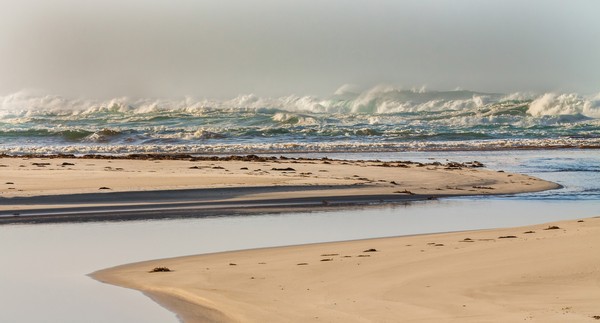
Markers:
<point>368,219</point>
<point>541,273</point>
<point>145,186</point>
<point>420,278</point>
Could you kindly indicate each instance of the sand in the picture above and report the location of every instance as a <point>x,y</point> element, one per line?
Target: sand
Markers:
<point>547,275</point>
<point>530,273</point>
<point>57,189</point>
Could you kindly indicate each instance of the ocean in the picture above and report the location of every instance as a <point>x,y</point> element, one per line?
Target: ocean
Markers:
<point>383,118</point>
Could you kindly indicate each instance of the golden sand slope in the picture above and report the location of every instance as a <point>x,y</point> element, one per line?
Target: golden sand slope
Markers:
<point>502,275</point>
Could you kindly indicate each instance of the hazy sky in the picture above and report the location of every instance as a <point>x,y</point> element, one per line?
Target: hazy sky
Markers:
<point>221,48</point>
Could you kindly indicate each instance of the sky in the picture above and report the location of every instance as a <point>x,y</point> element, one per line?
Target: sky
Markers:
<point>223,48</point>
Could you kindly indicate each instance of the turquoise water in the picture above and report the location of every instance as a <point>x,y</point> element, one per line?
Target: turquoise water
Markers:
<point>379,119</point>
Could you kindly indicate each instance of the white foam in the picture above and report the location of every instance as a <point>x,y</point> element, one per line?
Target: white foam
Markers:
<point>290,147</point>
<point>381,99</point>
<point>552,104</point>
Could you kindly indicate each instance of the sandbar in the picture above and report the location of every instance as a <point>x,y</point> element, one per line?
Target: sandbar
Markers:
<point>542,273</point>
<point>36,189</point>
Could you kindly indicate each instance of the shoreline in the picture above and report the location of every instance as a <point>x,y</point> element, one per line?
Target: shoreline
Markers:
<point>541,272</point>
<point>107,188</point>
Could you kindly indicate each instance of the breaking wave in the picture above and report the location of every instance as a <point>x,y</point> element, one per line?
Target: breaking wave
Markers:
<point>380,118</point>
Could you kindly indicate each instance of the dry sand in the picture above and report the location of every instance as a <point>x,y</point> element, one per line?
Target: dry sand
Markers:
<point>501,275</point>
<point>67,183</point>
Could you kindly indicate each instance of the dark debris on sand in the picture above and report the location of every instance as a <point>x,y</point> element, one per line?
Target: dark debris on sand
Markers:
<point>552,227</point>
<point>250,158</point>
<point>160,269</point>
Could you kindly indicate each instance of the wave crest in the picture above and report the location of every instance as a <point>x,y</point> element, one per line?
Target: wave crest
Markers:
<point>382,99</point>
<point>552,104</point>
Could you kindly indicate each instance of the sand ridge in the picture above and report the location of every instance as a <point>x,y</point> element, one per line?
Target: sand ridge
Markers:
<point>31,177</point>
<point>540,273</point>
